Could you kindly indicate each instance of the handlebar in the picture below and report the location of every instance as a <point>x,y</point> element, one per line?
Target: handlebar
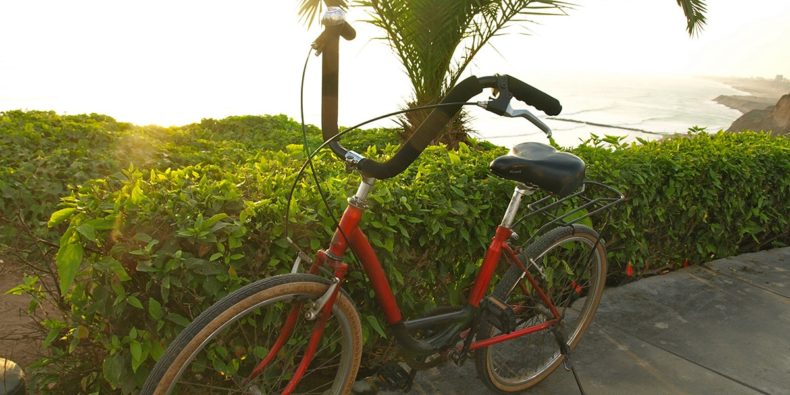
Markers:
<point>425,133</point>
<point>439,117</point>
<point>328,45</point>
<point>534,97</point>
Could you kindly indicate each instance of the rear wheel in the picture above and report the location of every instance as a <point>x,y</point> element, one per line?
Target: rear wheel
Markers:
<point>572,263</point>
<point>217,353</point>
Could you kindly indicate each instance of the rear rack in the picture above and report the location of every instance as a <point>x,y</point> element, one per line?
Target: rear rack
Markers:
<point>593,198</point>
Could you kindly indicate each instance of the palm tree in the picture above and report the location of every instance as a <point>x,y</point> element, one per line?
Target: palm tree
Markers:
<point>437,39</point>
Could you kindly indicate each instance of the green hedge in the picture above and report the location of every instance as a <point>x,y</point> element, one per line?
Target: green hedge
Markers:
<point>45,155</point>
<point>41,154</point>
<point>146,249</point>
<point>694,198</point>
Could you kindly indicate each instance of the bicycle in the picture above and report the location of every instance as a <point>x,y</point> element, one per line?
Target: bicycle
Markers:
<point>301,333</point>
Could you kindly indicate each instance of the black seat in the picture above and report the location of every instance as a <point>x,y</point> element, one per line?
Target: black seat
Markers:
<point>542,166</point>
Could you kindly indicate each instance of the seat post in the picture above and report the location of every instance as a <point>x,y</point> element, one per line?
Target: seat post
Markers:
<point>360,199</point>
<point>515,201</point>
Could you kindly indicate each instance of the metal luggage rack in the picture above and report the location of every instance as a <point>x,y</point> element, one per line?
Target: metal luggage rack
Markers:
<point>592,198</point>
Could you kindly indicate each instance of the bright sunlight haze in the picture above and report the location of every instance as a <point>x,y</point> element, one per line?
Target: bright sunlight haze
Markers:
<point>175,62</point>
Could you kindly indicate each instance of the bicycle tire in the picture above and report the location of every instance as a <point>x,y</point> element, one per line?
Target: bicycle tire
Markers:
<point>518,364</point>
<point>257,304</point>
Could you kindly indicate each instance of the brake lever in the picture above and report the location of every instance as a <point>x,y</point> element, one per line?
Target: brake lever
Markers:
<point>511,113</point>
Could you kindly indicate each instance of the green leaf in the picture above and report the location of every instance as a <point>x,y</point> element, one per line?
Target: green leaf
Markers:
<point>454,158</point>
<point>389,243</point>
<point>68,262</point>
<point>133,301</point>
<point>28,285</point>
<point>154,309</point>
<point>112,370</point>
<point>214,219</point>
<point>119,270</point>
<point>137,194</point>
<point>59,216</point>
<point>53,334</point>
<point>88,231</point>
<point>106,223</point>
<point>137,354</point>
<point>260,352</point>
<point>376,326</point>
<point>177,319</point>
<point>157,350</point>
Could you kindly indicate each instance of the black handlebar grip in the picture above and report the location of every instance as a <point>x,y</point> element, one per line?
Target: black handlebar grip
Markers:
<point>347,32</point>
<point>423,136</point>
<point>534,96</point>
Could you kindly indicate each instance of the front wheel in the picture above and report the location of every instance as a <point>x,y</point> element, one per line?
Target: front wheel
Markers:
<point>219,352</point>
<point>572,262</point>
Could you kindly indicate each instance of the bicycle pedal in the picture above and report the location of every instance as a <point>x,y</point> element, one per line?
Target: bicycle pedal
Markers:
<point>395,376</point>
<point>459,357</point>
<point>498,314</point>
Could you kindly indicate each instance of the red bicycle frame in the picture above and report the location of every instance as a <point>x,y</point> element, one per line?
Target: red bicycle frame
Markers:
<point>349,235</point>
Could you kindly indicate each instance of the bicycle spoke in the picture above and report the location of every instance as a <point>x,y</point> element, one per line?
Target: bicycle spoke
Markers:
<point>227,356</point>
<point>567,269</point>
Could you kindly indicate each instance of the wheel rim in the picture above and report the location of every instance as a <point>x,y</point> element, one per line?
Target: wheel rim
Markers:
<point>222,361</point>
<point>524,361</point>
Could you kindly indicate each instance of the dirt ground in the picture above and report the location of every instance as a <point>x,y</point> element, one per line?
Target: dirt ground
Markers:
<point>19,340</point>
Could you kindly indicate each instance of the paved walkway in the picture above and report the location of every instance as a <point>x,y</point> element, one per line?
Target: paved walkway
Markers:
<point>722,328</point>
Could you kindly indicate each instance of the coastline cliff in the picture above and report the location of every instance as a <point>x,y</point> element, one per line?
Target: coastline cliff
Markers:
<point>775,118</point>
<point>767,107</point>
<point>744,103</point>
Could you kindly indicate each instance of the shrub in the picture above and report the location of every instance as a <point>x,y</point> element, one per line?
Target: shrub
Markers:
<point>42,154</point>
<point>46,155</point>
<point>694,198</point>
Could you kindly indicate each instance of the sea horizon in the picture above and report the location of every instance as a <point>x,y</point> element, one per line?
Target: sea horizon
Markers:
<point>632,105</point>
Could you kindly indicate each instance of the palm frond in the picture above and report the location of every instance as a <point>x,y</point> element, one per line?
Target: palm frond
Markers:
<point>424,34</point>
<point>695,14</point>
<point>493,20</point>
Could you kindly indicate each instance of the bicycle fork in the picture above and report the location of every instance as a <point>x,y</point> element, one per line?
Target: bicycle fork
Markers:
<point>321,309</point>
<point>318,311</point>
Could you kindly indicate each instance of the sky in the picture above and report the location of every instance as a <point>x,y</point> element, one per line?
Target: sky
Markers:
<point>174,62</point>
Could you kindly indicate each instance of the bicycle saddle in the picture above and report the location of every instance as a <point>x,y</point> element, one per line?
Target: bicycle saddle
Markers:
<point>542,166</point>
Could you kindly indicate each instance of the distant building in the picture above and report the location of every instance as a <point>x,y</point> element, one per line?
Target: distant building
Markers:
<point>780,77</point>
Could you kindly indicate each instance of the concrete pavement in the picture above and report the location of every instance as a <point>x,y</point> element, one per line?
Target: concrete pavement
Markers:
<point>719,328</point>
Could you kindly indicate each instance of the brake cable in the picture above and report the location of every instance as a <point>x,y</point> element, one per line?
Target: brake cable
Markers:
<point>306,146</point>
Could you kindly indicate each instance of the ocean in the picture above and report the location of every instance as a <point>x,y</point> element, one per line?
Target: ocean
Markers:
<point>630,106</point>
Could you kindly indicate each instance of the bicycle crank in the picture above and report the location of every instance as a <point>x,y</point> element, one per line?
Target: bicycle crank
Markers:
<point>498,314</point>
<point>393,376</point>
